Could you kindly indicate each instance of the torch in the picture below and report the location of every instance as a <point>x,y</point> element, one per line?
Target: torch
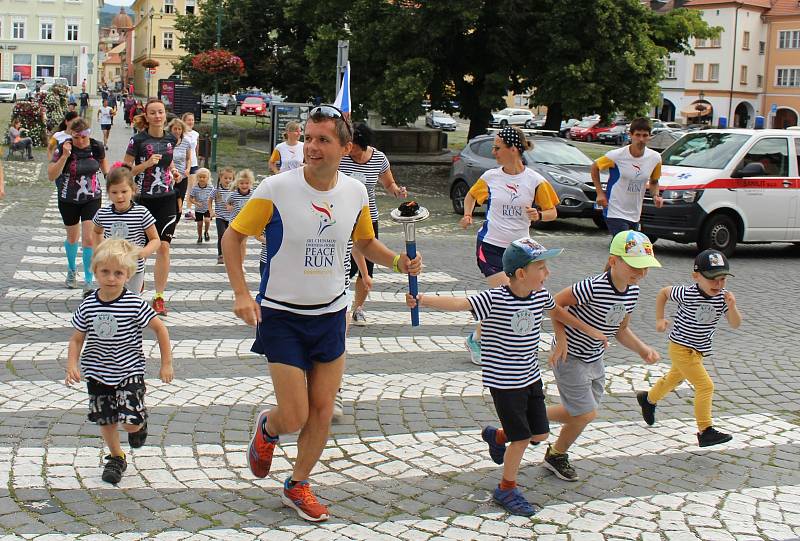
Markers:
<point>408,214</point>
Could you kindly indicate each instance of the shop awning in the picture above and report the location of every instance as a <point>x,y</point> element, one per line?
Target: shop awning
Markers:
<point>697,109</point>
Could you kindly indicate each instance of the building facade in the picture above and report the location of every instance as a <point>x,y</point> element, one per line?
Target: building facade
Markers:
<point>50,38</point>
<point>155,37</point>
<point>781,97</point>
<point>115,43</point>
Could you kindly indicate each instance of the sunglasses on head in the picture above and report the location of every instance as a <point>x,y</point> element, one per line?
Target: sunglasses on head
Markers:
<point>329,111</point>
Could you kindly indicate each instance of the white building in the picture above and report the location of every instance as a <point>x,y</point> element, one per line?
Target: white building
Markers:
<point>49,38</point>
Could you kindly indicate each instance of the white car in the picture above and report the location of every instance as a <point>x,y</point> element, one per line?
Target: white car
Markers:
<point>512,117</point>
<point>441,120</point>
<point>13,91</point>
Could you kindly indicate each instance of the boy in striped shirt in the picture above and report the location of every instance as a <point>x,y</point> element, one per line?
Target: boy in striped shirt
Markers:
<point>110,322</point>
<point>605,302</point>
<point>511,318</point>
<point>700,307</point>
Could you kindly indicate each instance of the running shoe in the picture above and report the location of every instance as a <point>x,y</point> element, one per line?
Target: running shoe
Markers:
<point>496,450</point>
<point>137,439</point>
<point>559,465</point>
<point>72,279</point>
<point>114,468</point>
<point>359,319</point>
<point>474,348</point>
<point>338,406</point>
<point>159,306</point>
<point>220,260</point>
<point>514,502</point>
<point>88,288</point>
<point>207,236</point>
<point>261,448</point>
<point>300,498</point>
<point>199,240</point>
<point>648,409</point>
<point>711,436</point>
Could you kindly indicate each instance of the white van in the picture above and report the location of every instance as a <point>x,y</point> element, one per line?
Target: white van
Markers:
<point>725,187</point>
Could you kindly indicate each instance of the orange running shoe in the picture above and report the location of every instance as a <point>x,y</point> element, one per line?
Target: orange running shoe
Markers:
<point>301,499</point>
<point>159,306</point>
<point>259,453</point>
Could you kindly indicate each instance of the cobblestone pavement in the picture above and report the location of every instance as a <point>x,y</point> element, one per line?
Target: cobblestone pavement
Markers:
<point>406,461</point>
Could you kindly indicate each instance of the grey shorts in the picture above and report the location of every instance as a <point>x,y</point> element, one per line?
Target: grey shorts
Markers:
<point>580,384</point>
<point>135,283</point>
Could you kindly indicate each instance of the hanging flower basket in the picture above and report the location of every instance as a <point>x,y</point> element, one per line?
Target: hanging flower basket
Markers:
<point>218,62</point>
<point>150,63</point>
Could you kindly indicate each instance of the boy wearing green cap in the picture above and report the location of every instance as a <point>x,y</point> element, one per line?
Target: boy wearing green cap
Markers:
<point>605,303</point>
<point>511,318</point>
<point>700,307</point>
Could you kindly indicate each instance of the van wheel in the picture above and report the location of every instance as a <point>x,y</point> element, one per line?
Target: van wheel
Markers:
<point>719,233</point>
<point>457,194</point>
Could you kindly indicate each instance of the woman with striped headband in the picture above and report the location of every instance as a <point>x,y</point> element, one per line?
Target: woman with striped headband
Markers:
<point>515,197</point>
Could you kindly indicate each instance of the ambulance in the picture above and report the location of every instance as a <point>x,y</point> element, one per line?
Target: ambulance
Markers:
<point>727,187</point>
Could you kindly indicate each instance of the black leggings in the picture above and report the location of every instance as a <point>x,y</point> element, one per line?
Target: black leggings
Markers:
<point>222,225</point>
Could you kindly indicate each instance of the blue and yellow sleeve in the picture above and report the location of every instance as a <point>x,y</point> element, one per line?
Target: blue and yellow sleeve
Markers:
<point>546,197</point>
<point>480,191</point>
<point>254,217</point>
<point>604,162</point>
<point>363,229</point>
<point>656,174</point>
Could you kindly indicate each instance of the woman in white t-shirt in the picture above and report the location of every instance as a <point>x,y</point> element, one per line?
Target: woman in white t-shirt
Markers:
<point>288,154</point>
<point>105,115</point>
<point>192,136</point>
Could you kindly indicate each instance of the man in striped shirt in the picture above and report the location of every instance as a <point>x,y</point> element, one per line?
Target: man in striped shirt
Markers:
<point>700,307</point>
<point>604,302</point>
<point>511,317</point>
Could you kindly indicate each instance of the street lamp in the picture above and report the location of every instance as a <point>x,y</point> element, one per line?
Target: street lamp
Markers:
<point>701,96</point>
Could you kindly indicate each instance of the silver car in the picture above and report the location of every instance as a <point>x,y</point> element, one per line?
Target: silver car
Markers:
<point>562,164</point>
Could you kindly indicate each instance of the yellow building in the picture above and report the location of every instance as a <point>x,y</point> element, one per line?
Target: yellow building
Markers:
<point>155,37</point>
<point>782,74</point>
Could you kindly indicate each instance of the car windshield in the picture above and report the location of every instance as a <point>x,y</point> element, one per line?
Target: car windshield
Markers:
<point>8,85</point>
<point>586,123</point>
<point>706,150</point>
<point>253,100</point>
<point>439,114</point>
<point>556,154</point>
<point>505,112</point>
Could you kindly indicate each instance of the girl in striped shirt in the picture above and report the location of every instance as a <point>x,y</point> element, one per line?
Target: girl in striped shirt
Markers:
<point>220,205</point>
<point>124,219</point>
<point>242,191</point>
<point>700,307</point>
<point>108,340</point>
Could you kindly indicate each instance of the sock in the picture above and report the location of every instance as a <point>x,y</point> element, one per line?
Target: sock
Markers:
<point>553,450</point>
<point>72,254</point>
<point>500,437</point>
<point>87,264</point>
<point>159,295</point>
<point>507,485</point>
<point>264,428</point>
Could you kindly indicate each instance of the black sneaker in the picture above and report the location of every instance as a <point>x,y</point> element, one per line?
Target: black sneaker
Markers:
<point>137,439</point>
<point>199,240</point>
<point>710,436</point>
<point>559,465</point>
<point>115,467</point>
<point>206,236</point>
<point>648,409</point>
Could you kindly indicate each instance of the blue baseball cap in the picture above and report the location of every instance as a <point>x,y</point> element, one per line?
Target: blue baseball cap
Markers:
<point>523,251</point>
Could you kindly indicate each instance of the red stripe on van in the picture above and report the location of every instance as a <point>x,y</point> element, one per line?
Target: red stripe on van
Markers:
<point>743,183</point>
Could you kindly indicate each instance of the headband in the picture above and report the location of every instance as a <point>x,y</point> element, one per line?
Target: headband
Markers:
<point>510,137</point>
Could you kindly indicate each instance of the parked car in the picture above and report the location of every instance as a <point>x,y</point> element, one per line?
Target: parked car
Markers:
<point>226,103</point>
<point>563,165</point>
<point>253,106</point>
<point>618,135</point>
<point>660,125</point>
<point>727,187</point>
<point>588,130</point>
<point>440,120</point>
<point>47,82</point>
<point>567,125</point>
<point>512,117</point>
<point>13,91</point>
<point>241,96</point>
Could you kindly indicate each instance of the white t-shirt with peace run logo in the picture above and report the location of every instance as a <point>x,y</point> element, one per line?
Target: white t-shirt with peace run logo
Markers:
<point>628,177</point>
<point>105,115</point>
<point>289,157</point>
<point>601,306</point>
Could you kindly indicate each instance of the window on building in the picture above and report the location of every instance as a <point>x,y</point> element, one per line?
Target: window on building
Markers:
<point>46,30</point>
<point>698,72</point>
<point>168,41</point>
<point>789,39</point>
<point>169,6</point>
<point>72,31</point>
<point>759,81</point>
<point>716,42</point>
<point>746,41</point>
<point>672,69</point>
<point>713,72</point>
<point>743,75</point>
<point>18,29</point>
<point>68,68</point>
<point>45,65</point>
<point>21,67</point>
<point>788,77</point>
<point>762,47</point>
<point>700,42</point>
<point>190,7</point>
<point>154,42</point>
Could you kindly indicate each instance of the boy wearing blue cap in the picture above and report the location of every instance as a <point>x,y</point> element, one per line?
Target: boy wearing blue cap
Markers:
<point>511,318</point>
<point>700,307</point>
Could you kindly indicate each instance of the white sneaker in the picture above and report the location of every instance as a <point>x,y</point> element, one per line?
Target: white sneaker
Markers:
<point>474,348</point>
<point>359,319</point>
<point>338,406</point>
<point>72,279</point>
<point>88,288</point>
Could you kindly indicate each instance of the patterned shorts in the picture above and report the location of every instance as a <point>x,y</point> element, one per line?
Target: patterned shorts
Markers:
<point>121,403</point>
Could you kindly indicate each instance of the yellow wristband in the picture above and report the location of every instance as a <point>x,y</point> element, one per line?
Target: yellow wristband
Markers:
<point>395,263</point>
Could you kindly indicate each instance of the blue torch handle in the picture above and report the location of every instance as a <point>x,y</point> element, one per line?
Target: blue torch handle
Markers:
<point>411,252</point>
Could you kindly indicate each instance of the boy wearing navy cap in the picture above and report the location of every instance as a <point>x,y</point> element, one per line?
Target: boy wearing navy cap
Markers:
<point>511,318</point>
<point>700,307</point>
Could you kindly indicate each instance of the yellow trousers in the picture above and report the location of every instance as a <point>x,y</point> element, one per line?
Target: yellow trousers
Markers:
<point>687,364</point>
